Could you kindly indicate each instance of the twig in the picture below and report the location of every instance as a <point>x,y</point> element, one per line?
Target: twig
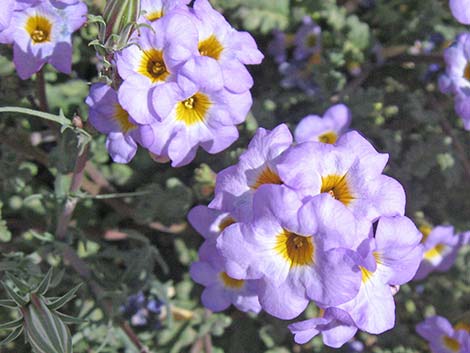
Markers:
<point>197,346</point>
<point>207,336</point>
<point>133,337</point>
<point>71,203</point>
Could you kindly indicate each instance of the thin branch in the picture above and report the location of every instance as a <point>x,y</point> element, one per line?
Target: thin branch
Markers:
<point>71,203</point>
<point>133,337</point>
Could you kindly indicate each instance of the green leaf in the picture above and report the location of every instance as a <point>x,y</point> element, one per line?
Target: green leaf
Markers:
<point>19,300</point>
<point>57,304</point>
<point>5,234</point>
<point>12,336</point>
<point>12,324</point>
<point>22,285</point>
<point>45,283</point>
<point>8,303</point>
<point>70,320</point>
<point>44,330</point>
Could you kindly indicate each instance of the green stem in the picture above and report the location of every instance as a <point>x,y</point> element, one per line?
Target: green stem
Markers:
<point>60,119</point>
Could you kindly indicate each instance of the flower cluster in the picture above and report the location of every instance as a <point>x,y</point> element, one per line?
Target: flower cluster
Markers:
<point>311,222</point>
<point>142,311</point>
<point>456,80</point>
<point>41,32</point>
<point>441,246</point>
<point>184,85</point>
<point>306,53</point>
<point>443,337</point>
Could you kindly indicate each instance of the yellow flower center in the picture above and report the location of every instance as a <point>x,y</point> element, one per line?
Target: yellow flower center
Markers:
<point>194,109</point>
<point>227,221</point>
<point>328,137</point>
<point>231,282</point>
<point>39,29</point>
<point>153,66</point>
<point>297,250</point>
<point>434,252</point>
<point>337,186</point>
<point>122,117</point>
<point>462,326</point>
<point>154,15</point>
<point>366,274</point>
<point>451,344</point>
<point>466,71</point>
<point>425,230</point>
<point>211,47</point>
<point>267,176</point>
<point>311,40</point>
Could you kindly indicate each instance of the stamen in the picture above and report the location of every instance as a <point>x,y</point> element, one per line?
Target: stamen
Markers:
<point>296,249</point>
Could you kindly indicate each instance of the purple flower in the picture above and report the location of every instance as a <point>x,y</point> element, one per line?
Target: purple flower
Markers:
<point>335,325</point>
<point>149,67</point>
<point>156,9</point>
<point>307,39</point>
<point>6,14</point>
<point>441,246</point>
<point>42,33</point>
<point>108,117</point>
<point>277,46</point>
<point>298,74</point>
<point>236,185</point>
<point>222,290</point>
<point>209,222</point>
<point>462,108</point>
<point>457,57</point>
<point>201,116</point>
<point>460,10</point>
<point>327,129</point>
<point>385,260</point>
<point>299,252</point>
<point>219,43</point>
<point>349,171</point>
<point>442,337</point>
